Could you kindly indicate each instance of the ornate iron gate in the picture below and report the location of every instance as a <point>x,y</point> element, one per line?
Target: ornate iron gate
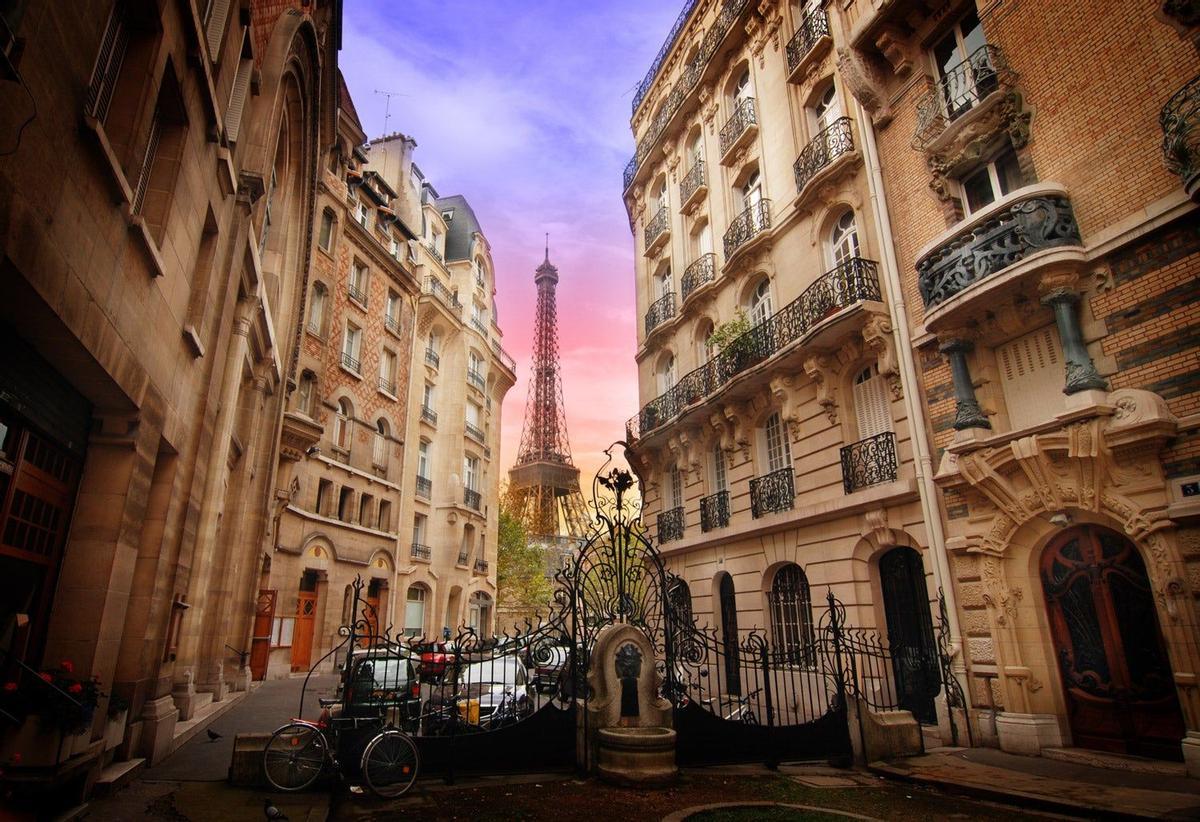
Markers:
<point>910,631</point>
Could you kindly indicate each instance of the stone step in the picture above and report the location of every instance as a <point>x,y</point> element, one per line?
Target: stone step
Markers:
<point>116,775</point>
<point>1115,762</point>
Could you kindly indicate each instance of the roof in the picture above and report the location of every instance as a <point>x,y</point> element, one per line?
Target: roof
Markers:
<point>346,102</point>
<point>463,226</point>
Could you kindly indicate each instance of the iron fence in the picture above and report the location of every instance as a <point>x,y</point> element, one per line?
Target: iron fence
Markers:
<point>429,415</point>
<point>701,272</point>
<point>476,379</point>
<point>474,432</point>
<point>472,499</point>
<point>356,293</point>
<point>670,525</point>
<point>387,386</point>
<point>391,323</point>
<point>714,511</point>
<point>419,551</point>
<point>813,26</point>
<point>830,143</point>
<point>772,492</point>
<point>869,462</point>
<point>424,487</point>
<point>350,362</point>
<point>481,566</point>
<point>433,358</point>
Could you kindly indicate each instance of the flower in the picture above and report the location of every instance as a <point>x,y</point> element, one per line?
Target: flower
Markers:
<point>75,688</point>
<point>47,677</point>
<point>67,666</point>
<point>10,686</point>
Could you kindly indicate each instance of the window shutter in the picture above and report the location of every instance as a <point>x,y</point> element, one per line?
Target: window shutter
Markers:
<point>237,100</point>
<point>108,64</point>
<point>871,407</point>
<point>1031,375</point>
<point>218,15</point>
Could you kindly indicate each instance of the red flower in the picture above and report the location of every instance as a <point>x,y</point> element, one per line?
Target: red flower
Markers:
<point>46,677</point>
<point>67,666</point>
<point>75,688</point>
<point>10,686</point>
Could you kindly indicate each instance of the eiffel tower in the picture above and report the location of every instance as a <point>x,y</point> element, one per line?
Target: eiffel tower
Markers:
<point>543,485</point>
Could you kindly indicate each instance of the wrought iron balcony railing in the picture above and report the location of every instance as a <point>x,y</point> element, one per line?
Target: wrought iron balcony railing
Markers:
<point>1180,121</point>
<point>434,287</point>
<point>994,242</point>
<point>689,78</point>
<point>463,557</point>
<point>959,90</point>
<point>869,462</point>
<point>433,252</point>
<point>359,295</point>
<point>429,415</point>
<point>475,432</point>
<point>350,362</point>
<point>830,143</point>
<point>670,525</point>
<point>419,551</point>
<point>387,386</point>
<point>644,86</point>
<point>481,566</point>
<point>476,379</point>
<point>480,325</point>
<point>505,358</point>
<point>852,282</point>
<point>692,182</point>
<point>432,358</point>
<point>742,117</point>
<point>656,227</point>
<point>424,487</point>
<point>472,499</point>
<point>391,323</point>
<point>774,492</point>
<point>660,311</point>
<point>746,226</point>
<point>714,511</point>
<point>699,273</point>
<point>812,28</point>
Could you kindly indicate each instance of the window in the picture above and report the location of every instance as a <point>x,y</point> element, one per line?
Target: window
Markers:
<point>240,89</point>
<point>318,309</point>
<point>306,393</point>
<point>361,214</point>
<point>666,374</point>
<point>471,473</point>
<point>661,196</point>
<point>719,483</point>
<point>988,184</point>
<point>325,236</point>
<point>676,488</point>
<point>964,72</point>
<point>760,308</point>
<point>1031,377</point>
<point>379,454</point>
<point>827,110</point>
<point>751,191</point>
<point>365,509</point>
<point>664,283</point>
<point>474,415</point>
<point>791,615</point>
<point>419,523</point>
<point>385,515</point>
<point>423,459</point>
<point>478,316</point>
<point>775,445</point>
<point>346,504</point>
<point>358,282</point>
<point>342,423</point>
<point>704,241</point>
<point>324,496</point>
<point>427,397</point>
<point>705,350</point>
<point>387,372</point>
<point>391,312</point>
<point>871,407</point>
<point>696,149</point>
<point>351,347</point>
<point>477,268</point>
<point>435,343</point>
<point>474,362</point>
<point>743,89</point>
<point>843,240</point>
<point>414,611</point>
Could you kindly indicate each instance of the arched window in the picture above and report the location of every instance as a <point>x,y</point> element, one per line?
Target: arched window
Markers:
<point>660,196</point>
<point>760,307</point>
<point>414,610</point>
<point>743,89</point>
<point>791,616</point>
<point>719,482</point>
<point>664,282</point>
<point>676,488</point>
<point>826,110</point>
<point>317,311</point>
<point>775,445</point>
<point>342,423</point>
<point>696,149</point>
<point>705,350</point>
<point>666,374</point>
<point>843,240</point>
<point>871,407</point>
<point>379,454</point>
<point>751,190</point>
<point>679,597</point>
<point>325,237</point>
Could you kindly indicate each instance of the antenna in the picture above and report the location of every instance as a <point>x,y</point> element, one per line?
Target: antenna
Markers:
<point>387,108</point>
<point>547,245</point>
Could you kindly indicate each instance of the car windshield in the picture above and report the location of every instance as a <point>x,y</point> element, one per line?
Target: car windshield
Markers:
<point>380,674</point>
<point>493,671</point>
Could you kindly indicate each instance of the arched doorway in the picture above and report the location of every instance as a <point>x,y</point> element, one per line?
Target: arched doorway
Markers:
<point>729,635</point>
<point>1116,676</point>
<point>910,633</point>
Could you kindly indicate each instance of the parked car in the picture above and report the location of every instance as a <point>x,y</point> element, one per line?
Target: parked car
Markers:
<point>487,693</point>
<point>433,658</point>
<point>381,681</point>
<point>549,661</point>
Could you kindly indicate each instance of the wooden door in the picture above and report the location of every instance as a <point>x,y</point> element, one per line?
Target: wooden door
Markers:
<point>260,641</point>
<point>1119,687</point>
<point>371,616</point>
<point>306,612</point>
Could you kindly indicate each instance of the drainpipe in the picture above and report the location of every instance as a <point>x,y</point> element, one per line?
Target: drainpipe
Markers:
<point>916,413</point>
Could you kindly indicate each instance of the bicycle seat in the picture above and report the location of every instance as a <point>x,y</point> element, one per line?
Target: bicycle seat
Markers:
<point>327,702</point>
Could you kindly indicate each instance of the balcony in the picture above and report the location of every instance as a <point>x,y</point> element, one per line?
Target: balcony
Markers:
<point>746,226</point>
<point>1180,121</point>
<point>434,287</point>
<point>387,386</point>
<point>432,358</point>
<point>660,311</point>
<point>699,274</point>
<point>472,499</point>
<point>869,462</point>
<point>433,252</point>
<point>424,487</point>
<point>505,358</point>
<point>714,511</point>
<point>771,493</point>
<point>658,231</point>
<point>644,86</point>
<point>853,282</point>
<point>475,433</point>
<point>808,43</point>
<point>463,558</point>
<point>693,186</point>
<point>834,141</point>
<point>1001,238</point>
<point>476,379</point>
<point>670,525</point>
<point>481,566</point>
<point>971,85</point>
<point>421,552</point>
<point>392,324</point>
<point>741,127</point>
<point>480,325</point>
<point>358,294</point>
<point>351,363</point>
<point>428,415</point>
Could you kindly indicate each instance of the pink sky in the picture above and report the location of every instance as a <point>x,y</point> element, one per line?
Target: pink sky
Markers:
<point>524,109</point>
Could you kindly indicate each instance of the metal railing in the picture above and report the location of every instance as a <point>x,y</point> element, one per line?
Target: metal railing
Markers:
<point>434,287</point>
<point>505,358</point>
<point>869,462</point>
<point>480,325</point>
<point>359,295</point>
<point>959,90</point>
<point>639,93</point>
<point>742,117</point>
<point>350,362</point>
<point>1180,121</point>
<point>433,252</point>
<point>773,492</point>
<point>432,358</point>
<point>424,487</point>
<point>830,143</point>
<point>812,28</point>
<point>701,272</point>
<point>670,525</point>
<point>419,551</point>
<point>657,226</point>
<point>472,499</point>
<point>391,323</point>
<point>746,226</point>
<point>999,240</point>
<point>660,311</point>
<point>463,557</point>
<point>481,566</point>
<point>692,182</point>
<point>714,511</point>
<point>387,386</point>
<point>474,432</point>
<point>476,379</point>
<point>429,415</point>
<point>851,282</point>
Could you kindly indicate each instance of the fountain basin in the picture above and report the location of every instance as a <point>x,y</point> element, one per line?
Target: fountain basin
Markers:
<point>636,756</point>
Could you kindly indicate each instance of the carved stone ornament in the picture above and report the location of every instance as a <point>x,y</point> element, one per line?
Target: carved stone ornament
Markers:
<point>820,368</point>
<point>785,390</point>
<point>723,430</point>
<point>877,334</point>
<point>865,84</point>
<point>740,417</point>
<point>971,143</point>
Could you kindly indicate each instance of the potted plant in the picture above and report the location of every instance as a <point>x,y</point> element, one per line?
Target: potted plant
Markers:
<point>732,339</point>
<point>54,727</point>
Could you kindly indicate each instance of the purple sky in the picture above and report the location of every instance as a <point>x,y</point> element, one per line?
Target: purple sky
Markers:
<point>523,107</point>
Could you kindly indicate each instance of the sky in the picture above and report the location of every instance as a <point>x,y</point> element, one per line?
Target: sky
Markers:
<point>523,107</point>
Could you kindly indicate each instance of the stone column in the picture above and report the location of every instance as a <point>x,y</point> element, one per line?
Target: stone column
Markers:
<point>967,413</point>
<point>1081,372</point>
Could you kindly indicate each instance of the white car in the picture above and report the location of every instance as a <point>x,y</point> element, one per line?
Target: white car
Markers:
<point>502,687</point>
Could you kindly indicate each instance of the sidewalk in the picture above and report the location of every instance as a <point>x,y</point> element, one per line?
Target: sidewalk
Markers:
<point>1051,784</point>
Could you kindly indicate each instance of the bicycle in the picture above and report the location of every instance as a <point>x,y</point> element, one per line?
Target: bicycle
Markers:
<point>301,751</point>
<point>740,707</point>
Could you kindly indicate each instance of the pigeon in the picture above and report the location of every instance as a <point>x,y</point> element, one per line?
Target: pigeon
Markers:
<point>213,736</point>
<point>272,812</point>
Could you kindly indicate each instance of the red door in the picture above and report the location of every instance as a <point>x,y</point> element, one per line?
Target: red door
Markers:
<point>1119,686</point>
<point>306,611</point>
<point>260,642</point>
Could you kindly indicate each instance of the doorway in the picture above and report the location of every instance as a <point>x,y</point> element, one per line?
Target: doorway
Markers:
<point>729,636</point>
<point>910,633</point>
<point>306,613</point>
<point>1116,676</point>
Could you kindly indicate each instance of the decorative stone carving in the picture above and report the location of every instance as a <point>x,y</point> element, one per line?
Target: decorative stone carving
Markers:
<point>894,44</point>
<point>877,334</point>
<point>820,369</point>
<point>785,389</point>
<point>865,84</point>
<point>968,144</point>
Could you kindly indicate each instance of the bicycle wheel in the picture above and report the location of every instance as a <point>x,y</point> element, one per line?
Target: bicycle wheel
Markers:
<point>294,757</point>
<point>390,763</point>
